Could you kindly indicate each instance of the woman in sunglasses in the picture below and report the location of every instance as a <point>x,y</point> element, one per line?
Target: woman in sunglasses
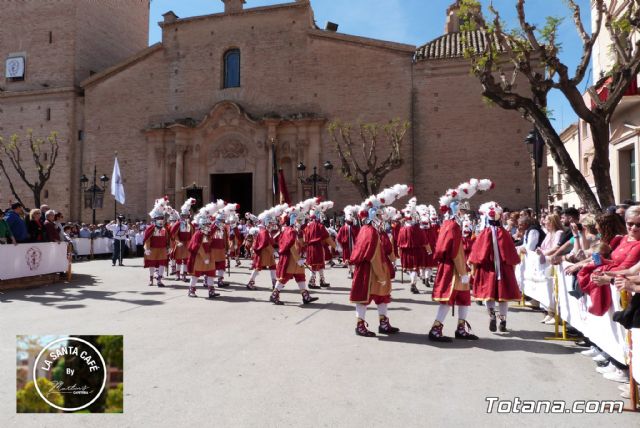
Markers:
<point>595,278</point>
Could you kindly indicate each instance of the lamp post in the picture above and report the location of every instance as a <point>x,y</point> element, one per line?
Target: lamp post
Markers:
<point>311,183</point>
<point>94,195</point>
<point>535,146</point>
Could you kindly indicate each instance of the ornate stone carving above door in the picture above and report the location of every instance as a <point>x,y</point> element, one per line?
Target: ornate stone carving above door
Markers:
<point>230,149</point>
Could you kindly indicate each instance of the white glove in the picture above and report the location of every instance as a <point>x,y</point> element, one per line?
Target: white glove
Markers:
<point>206,262</point>
<point>179,244</point>
<point>464,279</point>
<point>301,262</point>
<point>147,252</point>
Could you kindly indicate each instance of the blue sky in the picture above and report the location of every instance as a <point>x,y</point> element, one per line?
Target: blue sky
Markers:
<point>407,21</point>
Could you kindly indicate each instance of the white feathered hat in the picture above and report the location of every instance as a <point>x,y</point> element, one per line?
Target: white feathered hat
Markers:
<point>173,214</point>
<point>185,209</point>
<point>350,213</point>
<point>451,199</point>
<point>159,208</point>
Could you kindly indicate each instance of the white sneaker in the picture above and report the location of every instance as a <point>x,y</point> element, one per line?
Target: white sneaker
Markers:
<point>625,394</point>
<point>551,320</point>
<point>600,358</point>
<point>609,368</point>
<point>591,352</point>
<point>545,319</point>
<point>618,376</point>
<point>624,387</point>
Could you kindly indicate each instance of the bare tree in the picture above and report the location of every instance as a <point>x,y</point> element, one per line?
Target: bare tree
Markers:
<point>367,171</point>
<point>44,153</point>
<point>533,53</point>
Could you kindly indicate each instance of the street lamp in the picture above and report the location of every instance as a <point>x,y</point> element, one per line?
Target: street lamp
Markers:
<point>315,183</point>
<point>94,195</point>
<point>535,146</point>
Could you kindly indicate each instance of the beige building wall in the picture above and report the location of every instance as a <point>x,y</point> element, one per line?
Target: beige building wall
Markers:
<point>625,123</point>
<point>560,192</point>
<point>458,136</point>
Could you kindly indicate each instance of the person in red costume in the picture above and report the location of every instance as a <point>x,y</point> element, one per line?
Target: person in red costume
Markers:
<point>347,236</point>
<point>430,232</point>
<point>200,262</point>
<point>451,286</point>
<point>291,263</point>
<point>156,243</point>
<point>596,279</point>
<point>236,238</point>
<point>263,246</point>
<point>316,237</point>
<point>412,244</point>
<point>181,234</point>
<point>372,275</point>
<point>494,257</point>
<point>219,248</point>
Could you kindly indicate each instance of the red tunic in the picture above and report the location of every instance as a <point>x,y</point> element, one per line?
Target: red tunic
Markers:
<point>315,235</point>
<point>486,285</point>
<point>467,245</point>
<point>431,237</point>
<point>387,251</point>
<point>286,267</point>
<point>158,244</point>
<point>195,264</point>
<point>445,254</point>
<point>235,241</point>
<point>347,239</point>
<point>625,254</point>
<point>180,253</point>
<point>395,232</point>
<point>263,251</point>
<point>363,287</point>
<point>411,242</point>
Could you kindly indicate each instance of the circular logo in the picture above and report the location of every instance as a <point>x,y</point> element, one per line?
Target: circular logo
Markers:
<point>87,354</point>
<point>33,256</point>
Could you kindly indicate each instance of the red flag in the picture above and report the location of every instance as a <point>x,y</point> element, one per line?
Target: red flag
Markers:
<point>282,185</point>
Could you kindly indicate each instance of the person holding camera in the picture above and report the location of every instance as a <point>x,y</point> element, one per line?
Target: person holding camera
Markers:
<point>119,231</point>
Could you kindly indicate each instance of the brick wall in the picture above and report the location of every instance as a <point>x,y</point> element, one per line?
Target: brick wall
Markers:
<point>458,136</point>
<point>62,41</point>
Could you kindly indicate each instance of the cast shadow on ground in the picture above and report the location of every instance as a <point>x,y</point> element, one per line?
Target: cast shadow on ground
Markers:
<point>61,294</point>
<point>496,344</point>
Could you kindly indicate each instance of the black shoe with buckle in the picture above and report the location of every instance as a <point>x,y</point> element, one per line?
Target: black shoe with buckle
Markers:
<point>492,320</point>
<point>435,334</point>
<point>385,326</point>
<point>414,289</point>
<point>503,325</point>
<point>212,293</point>
<point>275,298</point>
<point>362,330</point>
<point>306,298</point>
<point>463,333</point>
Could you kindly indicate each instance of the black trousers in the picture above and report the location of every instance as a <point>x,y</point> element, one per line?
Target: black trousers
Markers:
<point>118,250</point>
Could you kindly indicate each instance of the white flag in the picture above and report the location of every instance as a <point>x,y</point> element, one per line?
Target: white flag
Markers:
<point>117,188</point>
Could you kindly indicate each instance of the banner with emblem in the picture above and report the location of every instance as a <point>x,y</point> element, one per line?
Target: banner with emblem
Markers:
<point>23,260</point>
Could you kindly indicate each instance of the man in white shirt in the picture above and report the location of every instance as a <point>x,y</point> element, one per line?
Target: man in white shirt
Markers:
<point>119,231</point>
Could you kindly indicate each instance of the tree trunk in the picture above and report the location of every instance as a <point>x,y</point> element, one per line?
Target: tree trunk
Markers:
<point>600,165</point>
<point>567,168</point>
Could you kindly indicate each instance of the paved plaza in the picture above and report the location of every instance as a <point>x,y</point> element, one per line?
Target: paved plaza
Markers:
<point>241,361</point>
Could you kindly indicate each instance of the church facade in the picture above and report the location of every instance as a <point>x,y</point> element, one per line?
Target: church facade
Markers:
<point>224,95</point>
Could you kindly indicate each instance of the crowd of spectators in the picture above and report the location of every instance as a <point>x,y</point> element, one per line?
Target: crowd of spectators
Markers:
<point>23,225</point>
<point>597,250</point>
